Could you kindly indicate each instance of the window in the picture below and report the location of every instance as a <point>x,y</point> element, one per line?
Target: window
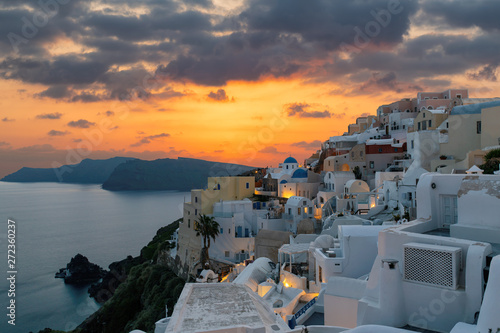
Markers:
<point>329,176</point>
<point>459,95</point>
<point>430,123</point>
<point>412,144</point>
<point>478,127</point>
<point>419,126</point>
<point>423,114</point>
<point>195,199</point>
<point>229,231</point>
<point>304,202</point>
<point>196,212</point>
<point>248,185</point>
<point>189,223</point>
<point>372,164</point>
<point>447,124</point>
<point>380,150</point>
<point>221,231</point>
<point>298,211</point>
<point>290,211</point>
<point>287,167</point>
<point>395,150</point>
<point>226,254</point>
<point>424,125</point>
<point>218,186</point>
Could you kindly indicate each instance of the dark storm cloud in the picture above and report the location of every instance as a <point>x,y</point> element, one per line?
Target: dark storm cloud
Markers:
<point>52,116</point>
<point>62,70</point>
<point>219,96</point>
<point>487,73</point>
<point>56,92</point>
<point>81,123</point>
<point>465,14</point>
<point>147,139</point>
<point>330,23</point>
<point>303,110</point>
<point>307,145</point>
<point>57,133</point>
<point>189,41</point>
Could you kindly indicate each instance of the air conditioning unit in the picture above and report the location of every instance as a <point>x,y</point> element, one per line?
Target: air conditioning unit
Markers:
<point>433,265</point>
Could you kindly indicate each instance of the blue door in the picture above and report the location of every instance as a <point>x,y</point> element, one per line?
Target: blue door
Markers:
<point>239,231</point>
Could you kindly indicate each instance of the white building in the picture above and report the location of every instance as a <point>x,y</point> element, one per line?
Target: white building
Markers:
<point>297,209</point>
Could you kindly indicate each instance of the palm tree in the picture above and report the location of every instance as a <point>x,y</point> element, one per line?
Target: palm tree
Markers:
<point>207,227</point>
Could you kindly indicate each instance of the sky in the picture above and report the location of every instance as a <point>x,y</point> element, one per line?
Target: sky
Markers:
<point>244,81</point>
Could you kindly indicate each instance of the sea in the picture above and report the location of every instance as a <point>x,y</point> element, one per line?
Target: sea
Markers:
<point>53,222</point>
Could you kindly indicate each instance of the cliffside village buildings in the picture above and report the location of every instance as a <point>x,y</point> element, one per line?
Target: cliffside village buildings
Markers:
<point>391,227</point>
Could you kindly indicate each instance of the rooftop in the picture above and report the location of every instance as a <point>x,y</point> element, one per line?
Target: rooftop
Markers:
<point>474,108</point>
<point>204,307</point>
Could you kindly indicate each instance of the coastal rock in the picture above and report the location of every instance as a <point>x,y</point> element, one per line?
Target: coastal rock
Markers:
<point>118,272</point>
<point>80,271</point>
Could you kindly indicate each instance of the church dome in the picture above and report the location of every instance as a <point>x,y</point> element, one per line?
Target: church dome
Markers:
<point>300,173</point>
<point>290,160</point>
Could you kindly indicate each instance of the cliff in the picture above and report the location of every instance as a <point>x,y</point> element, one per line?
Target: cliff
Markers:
<point>88,171</point>
<point>135,291</point>
<point>182,174</point>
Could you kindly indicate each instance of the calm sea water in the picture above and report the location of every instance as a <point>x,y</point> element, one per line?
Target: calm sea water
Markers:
<point>54,222</point>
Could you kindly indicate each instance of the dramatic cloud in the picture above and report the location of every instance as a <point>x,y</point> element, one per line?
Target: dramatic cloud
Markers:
<point>135,50</point>
<point>303,110</point>
<point>56,92</point>
<point>465,14</point>
<point>52,116</point>
<point>270,150</point>
<point>57,133</point>
<point>386,82</point>
<point>81,123</point>
<point>487,73</point>
<point>316,144</point>
<point>147,139</point>
<point>219,96</point>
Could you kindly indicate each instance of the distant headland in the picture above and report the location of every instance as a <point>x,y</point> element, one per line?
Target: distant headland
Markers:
<point>131,174</point>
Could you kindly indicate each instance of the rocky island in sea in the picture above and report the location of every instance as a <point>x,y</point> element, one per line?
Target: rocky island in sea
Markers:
<point>81,271</point>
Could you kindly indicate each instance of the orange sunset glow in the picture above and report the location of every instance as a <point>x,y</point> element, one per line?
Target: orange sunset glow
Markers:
<point>213,81</point>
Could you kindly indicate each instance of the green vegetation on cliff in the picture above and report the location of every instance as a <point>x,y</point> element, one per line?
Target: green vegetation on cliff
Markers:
<point>141,295</point>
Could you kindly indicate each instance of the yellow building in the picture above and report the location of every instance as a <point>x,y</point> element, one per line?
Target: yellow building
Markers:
<point>427,120</point>
<point>470,128</point>
<point>202,201</point>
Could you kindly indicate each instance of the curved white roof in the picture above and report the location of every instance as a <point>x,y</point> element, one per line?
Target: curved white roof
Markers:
<point>296,201</point>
